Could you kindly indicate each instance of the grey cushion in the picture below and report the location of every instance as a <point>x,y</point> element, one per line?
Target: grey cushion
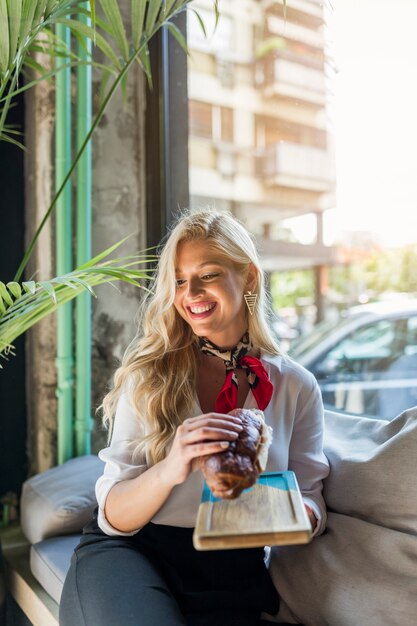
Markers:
<point>362,570</point>
<point>61,500</point>
<point>50,560</point>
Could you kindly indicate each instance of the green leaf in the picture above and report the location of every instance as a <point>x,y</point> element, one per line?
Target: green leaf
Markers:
<point>36,67</point>
<point>138,13</point>
<point>168,6</point>
<point>78,281</point>
<point>15,289</point>
<point>93,13</point>
<point>39,11</point>
<point>5,137</point>
<point>51,4</point>
<point>15,11</point>
<point>29,286</point>
<point>177,34</point>
<point>49,289</point>
<point>36,303</point>
<point>68,283</point>
<point>216,13</point>
<point>203,28</point>
<point>145,63</point>
<point>47,76</point>
<point>4,294</point>
<point>102,255</point>
<point>151,16</point>
<point>4,37</point>
<point>87,31</point>
<point>103,85</point>
<point>114,18</point>
<point>28,11</point>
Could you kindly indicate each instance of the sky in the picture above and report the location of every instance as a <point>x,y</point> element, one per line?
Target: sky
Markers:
<point>375,118</point>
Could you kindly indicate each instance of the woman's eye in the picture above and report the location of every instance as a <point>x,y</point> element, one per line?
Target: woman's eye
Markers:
<point>179,282</point>
<point>209,276</point>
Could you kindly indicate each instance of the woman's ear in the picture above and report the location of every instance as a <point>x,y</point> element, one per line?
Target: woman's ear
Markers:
<point>251,278</point>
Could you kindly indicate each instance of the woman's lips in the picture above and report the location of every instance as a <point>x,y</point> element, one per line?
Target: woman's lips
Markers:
<point>201,310</point>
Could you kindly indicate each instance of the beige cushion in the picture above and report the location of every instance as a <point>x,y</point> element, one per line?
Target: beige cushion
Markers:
<point>362,570</point>
<point>61,500</point>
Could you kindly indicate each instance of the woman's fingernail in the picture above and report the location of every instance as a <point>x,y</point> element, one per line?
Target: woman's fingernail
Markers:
<point>224,444</point>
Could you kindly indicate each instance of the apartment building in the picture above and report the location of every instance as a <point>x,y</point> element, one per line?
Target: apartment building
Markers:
<point>259,137</point>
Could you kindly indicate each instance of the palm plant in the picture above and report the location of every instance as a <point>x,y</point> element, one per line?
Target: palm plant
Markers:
<point>27,27</point>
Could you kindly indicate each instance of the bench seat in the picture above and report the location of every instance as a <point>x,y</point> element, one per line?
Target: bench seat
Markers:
<point>49,562</point>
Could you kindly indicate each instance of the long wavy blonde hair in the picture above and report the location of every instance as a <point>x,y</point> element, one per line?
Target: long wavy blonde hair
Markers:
<point>160,365</point>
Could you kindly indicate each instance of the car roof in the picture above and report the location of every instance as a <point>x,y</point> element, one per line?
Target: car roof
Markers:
<point>326,334</point>
<point>388,307</point>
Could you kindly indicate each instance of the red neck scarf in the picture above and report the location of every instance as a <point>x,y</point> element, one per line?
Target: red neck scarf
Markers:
<point>237,358</point>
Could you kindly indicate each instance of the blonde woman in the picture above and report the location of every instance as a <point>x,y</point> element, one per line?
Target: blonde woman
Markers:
<point>200,352</point>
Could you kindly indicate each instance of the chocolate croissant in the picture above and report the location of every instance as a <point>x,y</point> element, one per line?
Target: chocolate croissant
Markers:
<point>228,473</point>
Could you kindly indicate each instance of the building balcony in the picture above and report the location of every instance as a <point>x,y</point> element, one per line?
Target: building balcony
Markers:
<point>294,80</point>
<point>281,256</point>
<point>294,165</point>
<point>282,28</point>
<point>311,10</point>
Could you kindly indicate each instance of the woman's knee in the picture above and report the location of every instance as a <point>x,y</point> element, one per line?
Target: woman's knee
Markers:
<point>113,584</point>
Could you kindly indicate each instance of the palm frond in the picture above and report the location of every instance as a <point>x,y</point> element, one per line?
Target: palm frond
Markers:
<point>177,34</point>
<point>4,37</point>
<point>149,16</point>
<point>115,21</point>
<point>138,15</point>
<point>23,305</point>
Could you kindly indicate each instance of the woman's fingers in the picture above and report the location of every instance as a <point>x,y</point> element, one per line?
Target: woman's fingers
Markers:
<point>209,447</point>
<point>208,433</point>
<point>214,418</point>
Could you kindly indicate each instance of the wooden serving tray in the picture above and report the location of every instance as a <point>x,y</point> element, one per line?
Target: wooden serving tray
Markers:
<point>269,513</point>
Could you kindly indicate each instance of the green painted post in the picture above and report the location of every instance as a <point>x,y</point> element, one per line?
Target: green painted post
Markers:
<point>83,419</point>
<point>63,158</point>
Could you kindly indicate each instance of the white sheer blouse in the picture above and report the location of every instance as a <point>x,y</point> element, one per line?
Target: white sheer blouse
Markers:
<point>295,415</point>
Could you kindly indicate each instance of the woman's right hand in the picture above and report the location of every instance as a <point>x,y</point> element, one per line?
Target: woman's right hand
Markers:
<point>206,434</point>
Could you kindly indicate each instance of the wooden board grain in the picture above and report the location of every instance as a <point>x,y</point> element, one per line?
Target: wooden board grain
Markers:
<point>270,513</point>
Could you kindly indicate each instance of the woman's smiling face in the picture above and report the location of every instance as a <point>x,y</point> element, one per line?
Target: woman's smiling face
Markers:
<point>209,293</point>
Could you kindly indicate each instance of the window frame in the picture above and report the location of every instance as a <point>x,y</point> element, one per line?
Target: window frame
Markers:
<point>166,152</point>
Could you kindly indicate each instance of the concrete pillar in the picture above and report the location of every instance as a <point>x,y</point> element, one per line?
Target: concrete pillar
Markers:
<point>118,210</point>
<point>40,340</point>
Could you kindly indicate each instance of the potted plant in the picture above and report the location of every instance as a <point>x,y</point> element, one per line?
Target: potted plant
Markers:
<point>28,26</point>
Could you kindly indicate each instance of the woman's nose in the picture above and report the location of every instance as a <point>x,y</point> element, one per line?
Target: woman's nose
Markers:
<point>194,287</point>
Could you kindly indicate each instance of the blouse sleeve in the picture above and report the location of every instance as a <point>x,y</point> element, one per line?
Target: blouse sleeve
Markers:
<point>306,456</point>
<point>120,463</point>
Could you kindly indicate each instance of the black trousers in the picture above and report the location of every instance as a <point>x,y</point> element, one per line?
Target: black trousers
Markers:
<point>156,578</point>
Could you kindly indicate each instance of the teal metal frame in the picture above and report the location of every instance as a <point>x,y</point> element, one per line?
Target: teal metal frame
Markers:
<point>63,159</point>
<point>73,428</point>
<point>83,309</point>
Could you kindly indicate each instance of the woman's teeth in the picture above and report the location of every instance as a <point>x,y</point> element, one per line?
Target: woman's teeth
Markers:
<point>202,309</point>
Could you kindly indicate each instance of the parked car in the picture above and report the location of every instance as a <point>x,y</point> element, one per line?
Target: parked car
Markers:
<point>367,361</point>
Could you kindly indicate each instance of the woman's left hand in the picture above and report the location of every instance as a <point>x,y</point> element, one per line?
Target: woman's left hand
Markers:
<point>311,516</point>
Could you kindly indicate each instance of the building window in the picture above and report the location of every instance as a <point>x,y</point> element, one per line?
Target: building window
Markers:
<point>211,122</point>
<point>200,119</point>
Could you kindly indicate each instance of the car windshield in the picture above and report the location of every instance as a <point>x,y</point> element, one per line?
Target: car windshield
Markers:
<point>366,363</point>
<point>305,342</point>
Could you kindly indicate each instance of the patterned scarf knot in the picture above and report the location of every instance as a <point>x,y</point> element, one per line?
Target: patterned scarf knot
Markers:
<point>238,358</point>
